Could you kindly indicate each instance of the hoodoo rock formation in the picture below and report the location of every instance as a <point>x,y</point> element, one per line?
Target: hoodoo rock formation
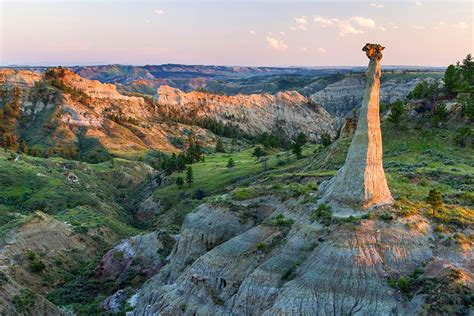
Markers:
<point>361,182</point>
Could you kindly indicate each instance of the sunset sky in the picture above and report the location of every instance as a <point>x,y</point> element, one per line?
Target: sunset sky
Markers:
<point>254,33</point>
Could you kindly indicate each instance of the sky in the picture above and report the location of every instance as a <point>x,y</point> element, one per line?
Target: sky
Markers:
<point>232,32</point>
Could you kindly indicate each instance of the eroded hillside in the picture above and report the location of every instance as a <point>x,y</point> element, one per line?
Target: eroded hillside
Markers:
<point>60,108</point>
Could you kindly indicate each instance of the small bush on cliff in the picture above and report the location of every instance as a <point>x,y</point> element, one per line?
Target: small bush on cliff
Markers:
<point>24,301</point>
<point>322,213</point>
<point>246,193</point>
<point>36,265</point>
<point>281,221</point>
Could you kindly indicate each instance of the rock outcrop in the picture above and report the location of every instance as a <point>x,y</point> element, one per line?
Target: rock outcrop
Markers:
<point>361,182</point>
<point>341,97</point>
<point>80,108</point>
<point>287,112</point>
<point>223,266</point>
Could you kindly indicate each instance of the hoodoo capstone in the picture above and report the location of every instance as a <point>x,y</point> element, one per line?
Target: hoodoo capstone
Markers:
<point>361,183</point>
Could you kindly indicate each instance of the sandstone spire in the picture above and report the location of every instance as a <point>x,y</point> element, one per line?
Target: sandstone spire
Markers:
<point>361,182</point>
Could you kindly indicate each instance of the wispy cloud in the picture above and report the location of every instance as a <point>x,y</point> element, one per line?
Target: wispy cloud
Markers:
<point>301,24</point>
<point>346,26</point>
<point>458,25</point>
<point>364,22</point>
<point>418,4</point>
<point>277,44</point>
<point>461,26</point>
<point>323,22</point>
<point>252,32</point>
<point>381,28</point>
<point>159,12</point>
<point>319,50</point>
<point>376,5</point>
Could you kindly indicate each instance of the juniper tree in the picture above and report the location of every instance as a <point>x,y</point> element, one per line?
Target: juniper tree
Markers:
<point>230,163</point>
<point>435,199</point>
<point>189,176</point>
<point>326,139</point>
<point>220,146</point>
<point>179,182</point>
<point>396,112</point>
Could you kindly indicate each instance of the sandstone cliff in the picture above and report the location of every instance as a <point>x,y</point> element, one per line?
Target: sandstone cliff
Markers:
<point>79,109</point>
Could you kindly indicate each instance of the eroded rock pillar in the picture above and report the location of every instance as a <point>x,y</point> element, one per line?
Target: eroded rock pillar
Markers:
<point>361,182</point>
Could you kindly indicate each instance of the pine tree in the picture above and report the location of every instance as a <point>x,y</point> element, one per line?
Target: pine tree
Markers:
<point>435,199</point>
<point>220,146</point>
<point>232,145</point>
<point>179,182</point>
<point>189,176</point>
<point>452,79</point>
<point>463,134</point>
<point>301,139</point>
<point>297,150</point>
<point>298,144</point>
<point>326,139</point>
<point>396,112</point>
<point>258,152</point>
<point>230,163</point>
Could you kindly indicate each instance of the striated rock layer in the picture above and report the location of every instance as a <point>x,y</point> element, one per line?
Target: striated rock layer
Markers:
<point>361,181</point>
<point>85,110</point>
<point>225,266</point>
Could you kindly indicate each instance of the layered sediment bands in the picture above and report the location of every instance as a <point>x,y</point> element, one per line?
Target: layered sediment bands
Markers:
<point>287,111</point>
<point>361,182</point>
<point>306,270</point>
<point>76,106</point>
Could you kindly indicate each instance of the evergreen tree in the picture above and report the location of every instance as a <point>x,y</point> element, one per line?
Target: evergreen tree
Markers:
<point>440,114</point>
<point>230,163</point>
<point>194,153</point>
<point>298,144</point>
<point>180,162</point>
<point>232,145</point>
<point>396,112</point>
<point>220,146</point>
<point>463,134</point>
<point>301,139</point>
<point>258,152</point>
<point>189,176</point>
<point>326,139</point>
<point>297,150</point>
<point>452,79</point>
<point>467,67</point>
<point>435,199</point>
<point>179,182</point>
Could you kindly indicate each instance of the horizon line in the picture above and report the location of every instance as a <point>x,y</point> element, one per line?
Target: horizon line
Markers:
<point>205,65</point>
